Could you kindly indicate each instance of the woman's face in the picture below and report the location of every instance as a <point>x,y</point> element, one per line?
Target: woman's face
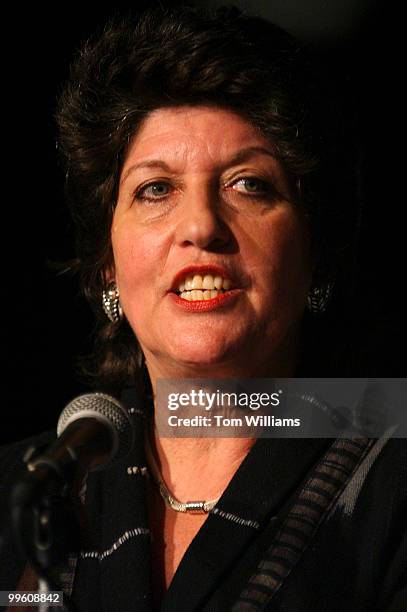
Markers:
<point>202,201</point>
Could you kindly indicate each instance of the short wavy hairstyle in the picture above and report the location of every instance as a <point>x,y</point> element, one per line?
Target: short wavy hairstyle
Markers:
<point>186,56</point>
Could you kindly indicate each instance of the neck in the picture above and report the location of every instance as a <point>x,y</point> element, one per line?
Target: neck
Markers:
<point>201,468</point>
<point>198,468</point>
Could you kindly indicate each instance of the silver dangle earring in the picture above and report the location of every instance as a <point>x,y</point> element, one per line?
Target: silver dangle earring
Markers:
<point>111,304</point>
<point>318,297</point>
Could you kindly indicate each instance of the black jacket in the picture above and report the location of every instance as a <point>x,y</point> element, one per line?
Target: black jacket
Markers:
<point>356,559</point>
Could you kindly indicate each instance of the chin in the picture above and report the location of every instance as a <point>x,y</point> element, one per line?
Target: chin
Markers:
<point>200,356</point>
<point>208,355</point>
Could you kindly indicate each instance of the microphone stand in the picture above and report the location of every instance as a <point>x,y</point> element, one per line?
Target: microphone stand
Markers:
<point>44,550</point>
<point>43,536</point>
<point>43,588</point>
<point>92,429</point>
<point>44,524</point>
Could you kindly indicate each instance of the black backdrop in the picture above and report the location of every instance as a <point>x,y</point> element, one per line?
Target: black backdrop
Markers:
<point>46,323</point>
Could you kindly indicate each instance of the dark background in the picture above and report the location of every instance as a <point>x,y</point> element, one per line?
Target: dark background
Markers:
<point>46,323</point>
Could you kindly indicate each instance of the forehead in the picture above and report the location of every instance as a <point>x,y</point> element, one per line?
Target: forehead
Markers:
<point>200,135</point>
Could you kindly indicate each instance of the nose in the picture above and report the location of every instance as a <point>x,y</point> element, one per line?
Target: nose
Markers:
<point>200,223</point>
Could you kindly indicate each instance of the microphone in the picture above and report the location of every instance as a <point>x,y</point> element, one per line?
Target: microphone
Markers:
<point>93,430</point>
<point>97,429</point>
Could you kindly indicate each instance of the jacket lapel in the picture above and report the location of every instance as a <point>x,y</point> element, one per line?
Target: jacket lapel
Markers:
<point>250,505</point>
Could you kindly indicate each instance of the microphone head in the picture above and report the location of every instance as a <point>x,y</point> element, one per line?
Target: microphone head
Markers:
<point>107,410</point>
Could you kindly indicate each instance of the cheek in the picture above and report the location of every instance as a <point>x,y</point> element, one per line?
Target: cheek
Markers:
<point>135,257</point>
<point>293,266</point>
<point>282,260</point>
<point>290,252</point>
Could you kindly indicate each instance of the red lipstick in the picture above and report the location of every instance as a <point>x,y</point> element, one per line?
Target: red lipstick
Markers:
<point>220,301</point>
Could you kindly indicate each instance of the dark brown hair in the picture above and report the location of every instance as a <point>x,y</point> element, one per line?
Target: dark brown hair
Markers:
<point>169,57</point>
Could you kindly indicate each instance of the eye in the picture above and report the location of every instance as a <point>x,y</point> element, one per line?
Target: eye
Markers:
<point>252,186</point>
<point>153,191</point>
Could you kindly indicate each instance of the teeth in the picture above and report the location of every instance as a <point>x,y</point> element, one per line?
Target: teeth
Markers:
<point>217,281</point>
<point>197,282</point>
<point>196,295</point>
<point>188,283</point>
<point>208,282</point>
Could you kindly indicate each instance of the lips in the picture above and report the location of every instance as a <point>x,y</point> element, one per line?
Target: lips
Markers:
<point>220,302</point>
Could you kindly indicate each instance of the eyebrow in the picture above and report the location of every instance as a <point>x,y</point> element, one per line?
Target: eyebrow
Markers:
<point>240,157</point>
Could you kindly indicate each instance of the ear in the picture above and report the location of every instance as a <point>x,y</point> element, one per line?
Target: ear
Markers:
<point>108,274</point>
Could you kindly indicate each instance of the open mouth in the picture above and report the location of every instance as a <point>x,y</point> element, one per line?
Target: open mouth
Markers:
<point>196,287</point>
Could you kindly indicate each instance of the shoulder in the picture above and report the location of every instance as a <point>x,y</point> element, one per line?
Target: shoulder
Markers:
<point>377,488</point>
<point>387,463</point>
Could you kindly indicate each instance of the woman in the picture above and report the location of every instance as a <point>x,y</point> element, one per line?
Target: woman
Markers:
<point>198,170</point>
